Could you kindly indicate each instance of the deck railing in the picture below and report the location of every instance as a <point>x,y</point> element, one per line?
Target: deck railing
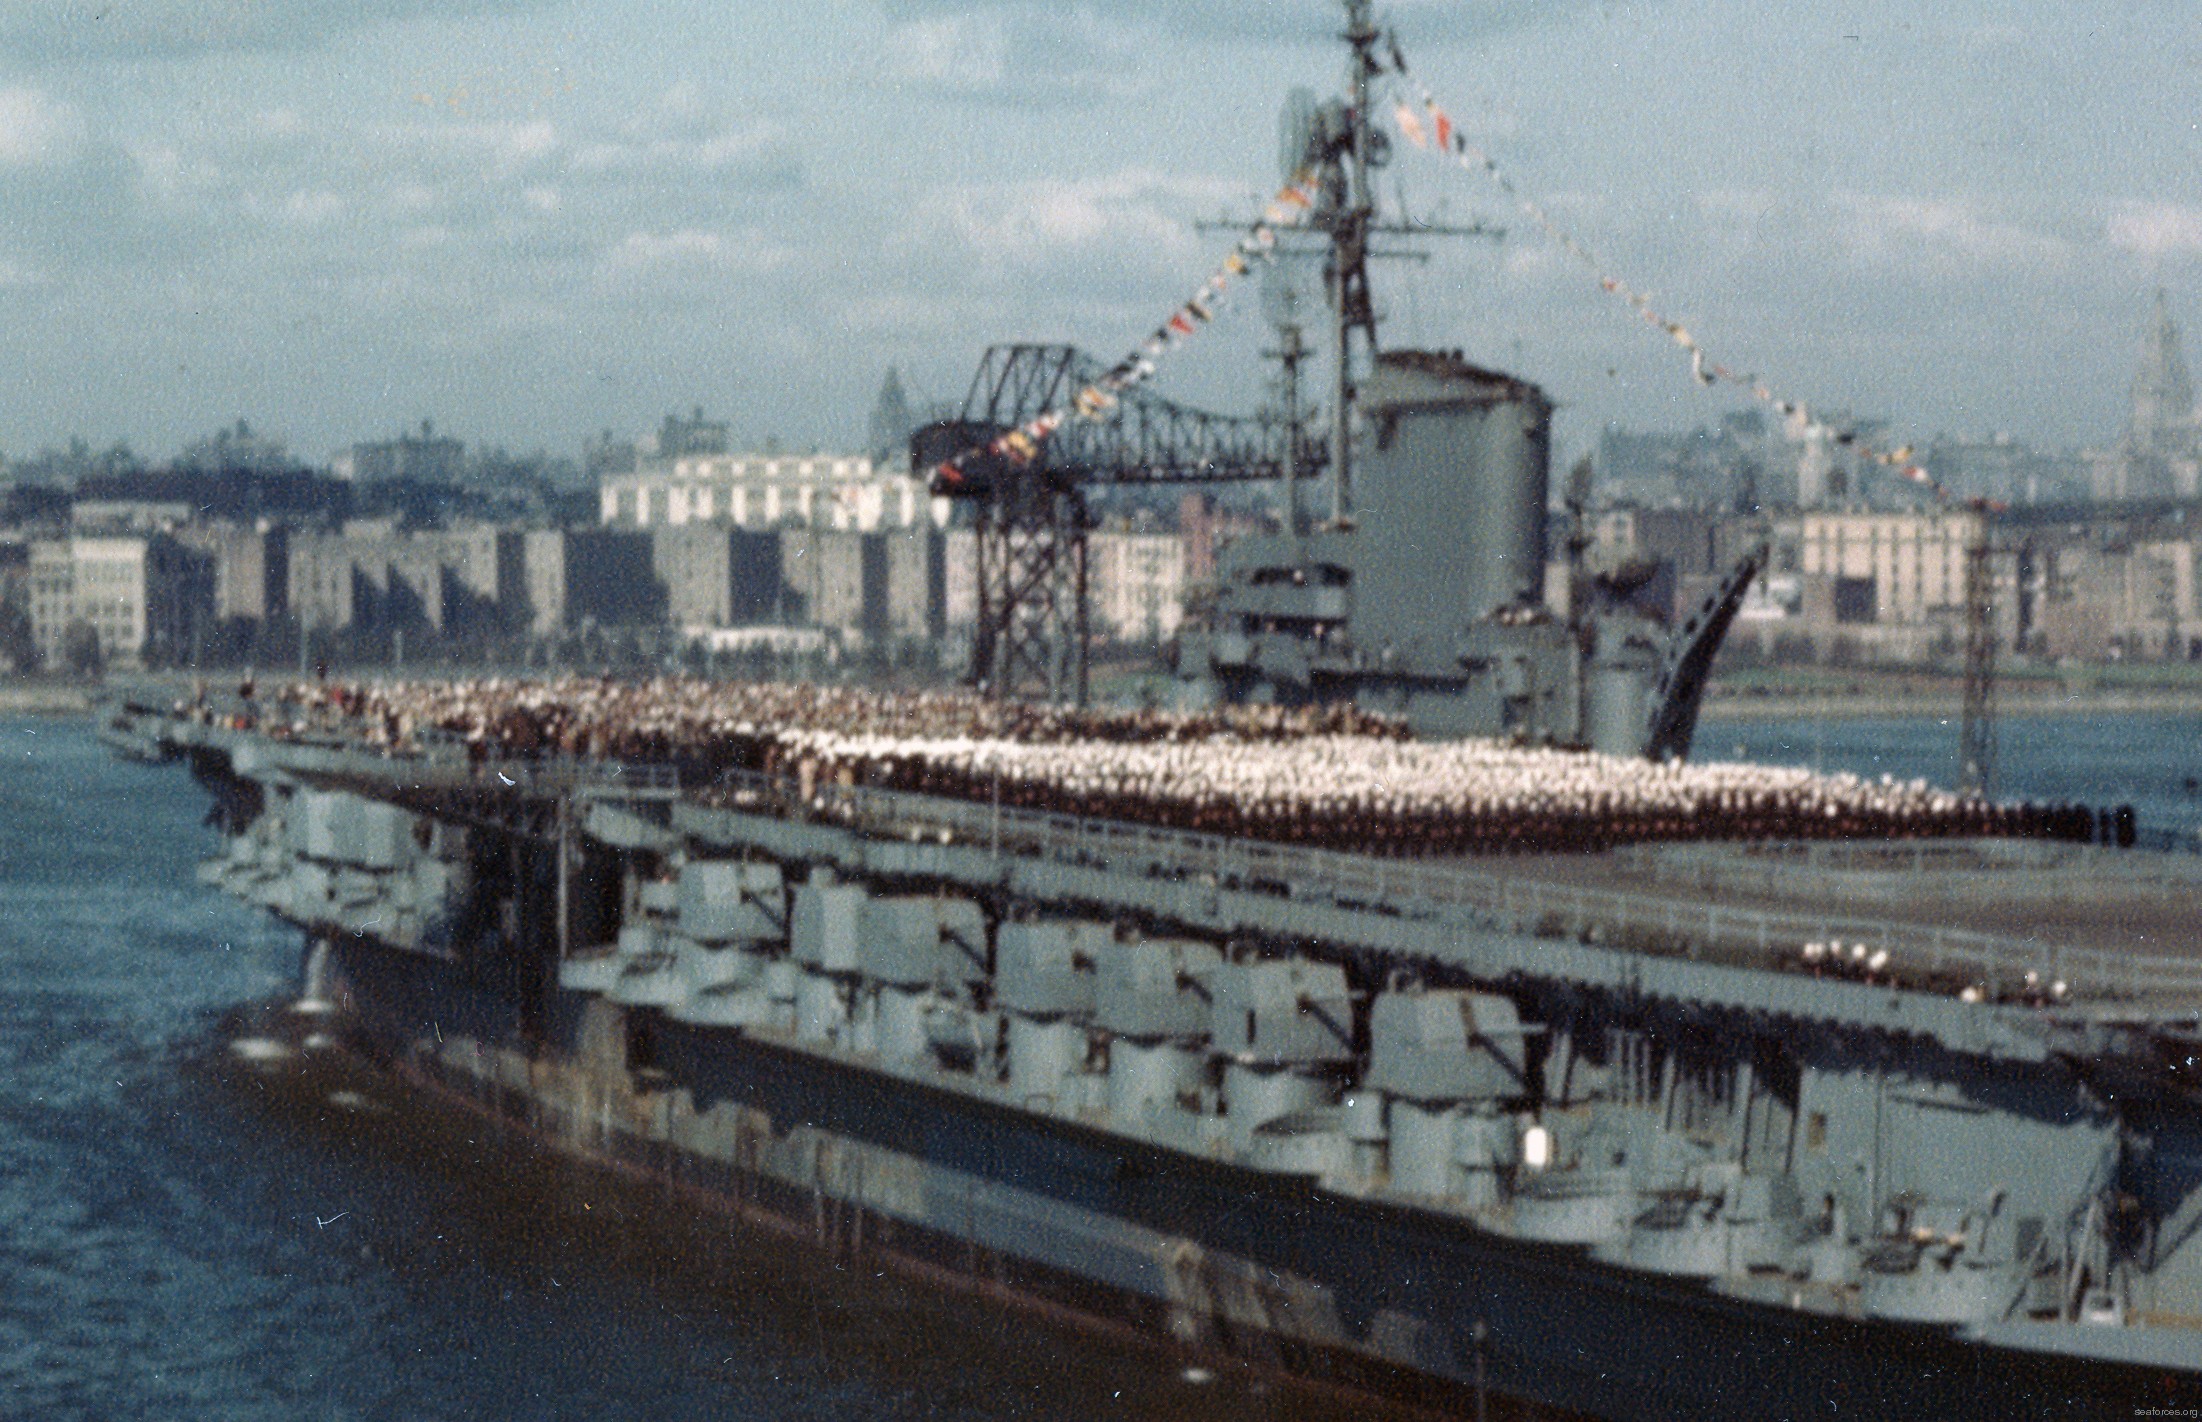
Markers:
<point>1918,954</point>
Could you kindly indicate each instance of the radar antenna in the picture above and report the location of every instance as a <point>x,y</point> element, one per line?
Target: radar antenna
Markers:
<point>1343,148</point>
<point>1348,213</point>
<point>1283,297</point>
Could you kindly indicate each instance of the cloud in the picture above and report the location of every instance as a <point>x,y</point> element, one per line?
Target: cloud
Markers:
<point>1264,21</point>
<point>2156,229</point>
<point>1943,233</point>
<point>1040,54</point>
<point>313,208</point>
<point>1095,261</point>
<point>1047,223</point>
<point>68,198</point>
<point>35,128</point>
<point>691,249</point>
<point>753,156</point>
<point>34,32</point>
<point>1023,56</point>
<point>487,148</point>
<point>430,217</point>
<point>295,218</point>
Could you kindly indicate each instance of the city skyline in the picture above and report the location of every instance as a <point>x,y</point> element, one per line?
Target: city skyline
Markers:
<point>535,221</point>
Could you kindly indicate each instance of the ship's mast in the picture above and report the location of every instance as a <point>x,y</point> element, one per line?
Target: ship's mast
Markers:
<point>1351,209</point>
<point>1290,351</point>
<point>1339,144</point>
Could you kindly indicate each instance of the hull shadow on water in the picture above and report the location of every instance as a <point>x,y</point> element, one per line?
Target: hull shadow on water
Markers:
<point>758,1325</point>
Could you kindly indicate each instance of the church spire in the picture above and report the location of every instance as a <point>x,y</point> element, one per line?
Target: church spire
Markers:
<point>2164,419</point>
<point>891,421</point>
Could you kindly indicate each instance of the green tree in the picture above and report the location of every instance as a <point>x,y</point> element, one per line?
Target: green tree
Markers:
<point>18,646</point>
<point>80,650</point>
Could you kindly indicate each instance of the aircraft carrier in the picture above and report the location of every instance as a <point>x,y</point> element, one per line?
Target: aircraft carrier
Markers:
<point>1863,1118</point>
<point>1685,1129</point>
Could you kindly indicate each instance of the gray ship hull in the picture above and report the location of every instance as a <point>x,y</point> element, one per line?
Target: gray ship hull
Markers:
<point>1196,1253</point>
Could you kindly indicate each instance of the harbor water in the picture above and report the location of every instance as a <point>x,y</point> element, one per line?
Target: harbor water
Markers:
<point>192,1226</point>
<point>189,1232</point>
<point>2151,762</point>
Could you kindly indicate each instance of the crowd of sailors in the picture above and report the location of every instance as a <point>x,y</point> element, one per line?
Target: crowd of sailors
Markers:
<point>1404,797</point>
<point>678,719</point>
<point>1880,967</point>
<point>1329,776</point>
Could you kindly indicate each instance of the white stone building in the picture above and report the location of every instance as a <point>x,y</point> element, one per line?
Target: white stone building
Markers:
<point>1915,561</point>
<point>1136,585</point>
<point>145,597</point>
<point>846,493</point>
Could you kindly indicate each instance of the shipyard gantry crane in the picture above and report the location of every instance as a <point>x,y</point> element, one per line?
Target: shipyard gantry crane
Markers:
<point>1031,517</point>
<point>1977,738</point>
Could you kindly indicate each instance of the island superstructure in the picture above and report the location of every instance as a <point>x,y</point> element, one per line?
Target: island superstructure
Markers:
<point>1422,594</point>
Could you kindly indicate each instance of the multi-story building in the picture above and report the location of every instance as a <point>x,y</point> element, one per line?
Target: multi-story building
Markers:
<point>484,574</point>
<point>464,582</point>
<point>1685,539</point>
<point>90,515</point>
<point>858,542</point>
<point>239,448</point>
<point>2161,454</point>
<point>18,650</point>
<point>835,579</point>
<point>425,458</point>
<point>325,587</point>
<point>761,491</point>
<point>959,600</point>
<point>414,580</point>
<point>870,589</point>
<point>1206,527</point>
<point>251,567</point>
<point>2111,597</point>
<point>1914,563</point>
<point>1136,584</point>
<point>51,579</point>
<point>2000,469</point>
<point>917,582</point>
<point>146,598</point>
<point>1743,462</point>
<point>693,435</point>
<point>717,577</point>
<point>887,434</point>
<point>603,576</point>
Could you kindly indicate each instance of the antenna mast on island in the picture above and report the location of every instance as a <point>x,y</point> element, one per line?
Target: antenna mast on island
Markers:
<point>1334,141</point>
<point>1344,148</point>
<point>1347,211</point>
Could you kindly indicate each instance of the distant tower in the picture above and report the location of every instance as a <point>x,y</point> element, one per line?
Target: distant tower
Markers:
<point>2163,442</point>
<point>891,423</point>
<point>2163,392</point>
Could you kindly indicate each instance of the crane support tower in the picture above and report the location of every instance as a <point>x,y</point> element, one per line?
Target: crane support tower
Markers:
<point>1030,518</point>
<point>1977,737</point>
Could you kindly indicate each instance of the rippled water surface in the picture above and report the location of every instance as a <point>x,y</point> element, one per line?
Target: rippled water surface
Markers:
<point>2153,763</point>
<point>184,1234</point>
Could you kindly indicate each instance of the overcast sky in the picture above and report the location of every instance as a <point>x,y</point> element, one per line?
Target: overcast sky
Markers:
<point>535,220</point>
